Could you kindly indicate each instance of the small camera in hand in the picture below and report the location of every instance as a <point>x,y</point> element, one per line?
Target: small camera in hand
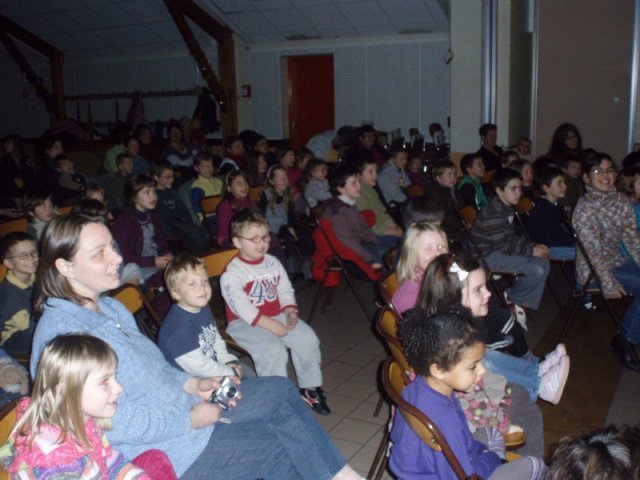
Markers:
<point>223,395</point>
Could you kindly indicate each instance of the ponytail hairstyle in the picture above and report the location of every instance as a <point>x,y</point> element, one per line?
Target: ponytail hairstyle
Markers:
<point>443,282</point>
<point>56,399</point>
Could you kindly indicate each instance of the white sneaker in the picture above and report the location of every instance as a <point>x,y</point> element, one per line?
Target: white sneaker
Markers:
<point>553,382</point>
<point>552,359</point>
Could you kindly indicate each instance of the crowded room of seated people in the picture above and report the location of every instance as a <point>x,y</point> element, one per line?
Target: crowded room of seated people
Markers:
<point>486,288</point>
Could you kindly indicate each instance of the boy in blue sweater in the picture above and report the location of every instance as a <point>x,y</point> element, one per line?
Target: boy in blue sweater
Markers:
<point>19,253</point>
<point>188,337</point>
<point>545,222</point>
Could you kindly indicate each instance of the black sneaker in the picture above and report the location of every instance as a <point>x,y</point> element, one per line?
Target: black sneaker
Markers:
<point>316,400</point>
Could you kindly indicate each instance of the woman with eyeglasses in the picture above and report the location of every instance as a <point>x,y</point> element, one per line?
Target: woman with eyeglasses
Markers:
<point>268,433</point>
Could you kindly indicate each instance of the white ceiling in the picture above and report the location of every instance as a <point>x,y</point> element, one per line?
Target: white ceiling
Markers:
<point>112,27</point>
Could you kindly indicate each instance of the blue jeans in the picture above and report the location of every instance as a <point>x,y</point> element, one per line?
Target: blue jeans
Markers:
<point>518,370</point>
<point>528,289</point>
<point>563,253</point>
<point>272,435</point>
<point>628,274</point>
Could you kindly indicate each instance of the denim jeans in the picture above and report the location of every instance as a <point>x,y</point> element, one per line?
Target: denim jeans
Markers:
<point>563,253</point>
<point>528,289</point>
<point>272,435</point>
<point>518,370</point>
<point>628,274</point>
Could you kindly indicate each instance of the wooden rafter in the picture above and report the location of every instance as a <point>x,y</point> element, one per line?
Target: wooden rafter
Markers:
<point>223,89</point>
<point>54,103</point>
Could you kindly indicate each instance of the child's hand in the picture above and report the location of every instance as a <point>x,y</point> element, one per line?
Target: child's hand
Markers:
<point>376,266</point>
<point>292,318</point>
<point>162,261</point>
<point>272,326</point>
<point>541,251</point>
<point>204,414</point>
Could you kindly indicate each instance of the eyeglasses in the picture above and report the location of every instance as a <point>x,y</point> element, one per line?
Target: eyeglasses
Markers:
<point>24,256</point>
<point>603,171</point>
<point>166,177</point>
<point>256,240</point>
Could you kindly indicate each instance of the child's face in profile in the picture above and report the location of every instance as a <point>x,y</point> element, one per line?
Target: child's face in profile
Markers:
<point>100,393</point>
<point>556,189</point>
<point>475,295</point>
<point>400,160</point>
<point>66,166</point>
<point>319,173</point>
<point>512,192</point>
<point>253,242</point>
<point>463,376</point>
<point>205,168</point>
<point>22,258</point>
<point>369,175</point>
<point>573,169</point>
<point>194,290</point>
<point>351,187</point>
<point>239,187</point>
<point>447,178</point>
<point>45,211</point>
<point>477,168</point>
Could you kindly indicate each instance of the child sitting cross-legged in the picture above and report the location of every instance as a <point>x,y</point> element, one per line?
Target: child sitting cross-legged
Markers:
<point>19,252</point>
<point>446,351</point>
<point>188,337</point>
<point>262,311</point>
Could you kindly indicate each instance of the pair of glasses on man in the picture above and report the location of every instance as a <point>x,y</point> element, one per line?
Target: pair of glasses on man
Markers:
<point>257,239</point>
<point>25,255</point>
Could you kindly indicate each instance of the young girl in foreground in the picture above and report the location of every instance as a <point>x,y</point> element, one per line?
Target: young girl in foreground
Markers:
<point>59,432</point>
<point>446,351</point>
<point>464,281</point>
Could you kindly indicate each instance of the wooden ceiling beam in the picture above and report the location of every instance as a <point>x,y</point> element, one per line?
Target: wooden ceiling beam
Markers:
<point>54,103</point>
<point>223,91</point>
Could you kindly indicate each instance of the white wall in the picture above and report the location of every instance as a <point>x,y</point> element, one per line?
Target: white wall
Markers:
<point>396,82</point>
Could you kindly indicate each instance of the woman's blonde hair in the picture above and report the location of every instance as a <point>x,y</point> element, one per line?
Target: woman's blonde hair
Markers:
<point>56,399</point>
<point>409,252</point>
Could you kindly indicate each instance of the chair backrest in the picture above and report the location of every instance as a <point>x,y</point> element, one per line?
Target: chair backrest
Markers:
<point>184,192</point>
<point>387,286</point>
<point>19,224</point>
<point>414,191</point>
<point>387,326</point>
<point>3,271</point>
<point>210,204</point>
<point>394,381</point>
<point>525,205</point>
<point>389,258</point>
<point>65,210</point>
<point>255,192</point>
<point>134,300</point>
<point>468,216</point>
<point>8,418</point>
<point>216,261</point>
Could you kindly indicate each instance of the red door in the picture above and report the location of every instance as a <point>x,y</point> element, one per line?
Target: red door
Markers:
<point>311,98</point>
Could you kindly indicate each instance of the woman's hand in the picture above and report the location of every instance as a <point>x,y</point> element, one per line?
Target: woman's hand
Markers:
<point>204,414</point>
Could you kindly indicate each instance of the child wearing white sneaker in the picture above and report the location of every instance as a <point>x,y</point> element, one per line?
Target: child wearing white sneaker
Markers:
<point>463,281</point>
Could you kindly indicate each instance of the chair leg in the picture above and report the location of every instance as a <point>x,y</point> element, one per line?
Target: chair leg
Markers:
<point>572,315</point>
<point>376,412</point>
<point>319,293</point>
<point>379,463</point>
<point>553,293</point>
<point>355,292</point>
<point>630,349</point>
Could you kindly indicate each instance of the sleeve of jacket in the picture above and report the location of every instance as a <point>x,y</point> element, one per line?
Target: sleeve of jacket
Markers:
<point>346,230</point>
<point>126,231</point>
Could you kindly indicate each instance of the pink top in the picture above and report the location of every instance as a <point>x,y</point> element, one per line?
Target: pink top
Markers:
<point>226,210</point>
